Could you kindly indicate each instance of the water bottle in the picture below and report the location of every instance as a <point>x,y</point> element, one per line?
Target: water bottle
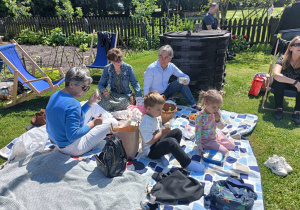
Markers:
<point>108,90</point>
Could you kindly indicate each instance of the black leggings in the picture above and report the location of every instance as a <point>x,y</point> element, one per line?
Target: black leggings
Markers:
<point>170,143</point>
<point>279,88</point>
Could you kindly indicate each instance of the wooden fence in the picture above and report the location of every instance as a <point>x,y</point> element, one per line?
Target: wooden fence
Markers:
<point>257,30</point>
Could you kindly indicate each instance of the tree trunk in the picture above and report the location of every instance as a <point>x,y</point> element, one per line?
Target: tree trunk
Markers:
<point>223,7</point>
<point>102,7</point>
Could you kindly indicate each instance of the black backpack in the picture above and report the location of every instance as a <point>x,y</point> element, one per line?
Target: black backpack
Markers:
<point>113,159</point>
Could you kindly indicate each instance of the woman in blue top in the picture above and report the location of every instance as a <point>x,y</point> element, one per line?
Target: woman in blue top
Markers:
<point>73,128</point>
<point>119,75</point>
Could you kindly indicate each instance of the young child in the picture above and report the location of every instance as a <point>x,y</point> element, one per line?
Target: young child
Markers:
<point>208,120</point>
<point>158,142</point>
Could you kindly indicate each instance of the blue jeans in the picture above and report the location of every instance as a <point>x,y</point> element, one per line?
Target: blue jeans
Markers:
<point>175,87</point>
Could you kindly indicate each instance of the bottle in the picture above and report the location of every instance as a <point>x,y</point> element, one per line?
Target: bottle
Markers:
<point>108,90</point>
<point>170,109</point>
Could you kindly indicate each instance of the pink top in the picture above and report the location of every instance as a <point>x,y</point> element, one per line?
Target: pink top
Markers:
<point>206,126</point>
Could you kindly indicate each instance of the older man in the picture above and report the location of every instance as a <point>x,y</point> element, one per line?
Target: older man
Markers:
<point>159,72</point>
<point>210,22</point>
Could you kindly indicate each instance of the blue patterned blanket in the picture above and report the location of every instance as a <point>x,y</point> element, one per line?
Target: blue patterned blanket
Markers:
<point>241,162</point>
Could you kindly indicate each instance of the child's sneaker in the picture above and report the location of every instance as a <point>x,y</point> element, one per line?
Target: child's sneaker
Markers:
<point>283,162</point>
<point>276,166</point>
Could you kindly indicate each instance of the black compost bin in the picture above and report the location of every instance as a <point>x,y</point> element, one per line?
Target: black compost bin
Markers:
<point>200,55</point>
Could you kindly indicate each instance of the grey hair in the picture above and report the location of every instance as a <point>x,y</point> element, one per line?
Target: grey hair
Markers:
<point>78,76</point>
<point>168,49</point>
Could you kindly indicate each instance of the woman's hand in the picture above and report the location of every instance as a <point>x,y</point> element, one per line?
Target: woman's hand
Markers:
<point>94,98</point>
<point>185,81</point>
<point>105,93</point>
<point>98,120</point>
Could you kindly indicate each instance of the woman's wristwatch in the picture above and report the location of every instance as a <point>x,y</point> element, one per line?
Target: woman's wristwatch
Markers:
<point>296,81</point>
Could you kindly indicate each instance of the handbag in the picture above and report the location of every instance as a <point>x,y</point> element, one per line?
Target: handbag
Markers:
<point>130,139</point>
<point>113,159</point>
<point>231,194</point>
<point>176,186</point>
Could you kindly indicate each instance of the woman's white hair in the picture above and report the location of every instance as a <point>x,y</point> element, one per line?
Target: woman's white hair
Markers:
<point>78,76</point>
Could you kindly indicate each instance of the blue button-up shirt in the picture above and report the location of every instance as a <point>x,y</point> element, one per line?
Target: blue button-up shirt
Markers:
<point>155,78</point>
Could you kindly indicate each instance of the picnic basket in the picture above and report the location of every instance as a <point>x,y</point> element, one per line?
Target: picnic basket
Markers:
<point>169,110</point>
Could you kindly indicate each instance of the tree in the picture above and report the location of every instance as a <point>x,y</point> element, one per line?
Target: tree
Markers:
<point>15,8</point>
<point>143,8</point>
<point>64,8</point>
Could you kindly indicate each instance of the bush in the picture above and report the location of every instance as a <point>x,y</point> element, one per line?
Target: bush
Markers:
<point>239,43</point>
<point>30,37</point>
<point>57,37</point>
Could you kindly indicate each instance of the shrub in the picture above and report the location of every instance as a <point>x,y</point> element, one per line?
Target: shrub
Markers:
<point>239,43</point>
<point>30,37</point>
<point>57,37</point>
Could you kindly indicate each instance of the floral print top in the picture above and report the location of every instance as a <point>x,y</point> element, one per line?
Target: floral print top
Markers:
<point>206,127</point>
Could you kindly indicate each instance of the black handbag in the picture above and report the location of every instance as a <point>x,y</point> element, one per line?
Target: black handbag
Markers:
<point>176,186</point>
<point>113,159</point>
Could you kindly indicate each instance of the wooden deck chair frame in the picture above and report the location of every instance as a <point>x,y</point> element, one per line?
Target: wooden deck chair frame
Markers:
<point>33,92</point>
<point>269,79</point>
<point>91,56</point>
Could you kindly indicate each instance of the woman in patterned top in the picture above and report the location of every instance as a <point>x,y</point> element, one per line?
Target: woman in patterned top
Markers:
<point>207,122</point>
<point>119,75</point>
<point>287,76</point>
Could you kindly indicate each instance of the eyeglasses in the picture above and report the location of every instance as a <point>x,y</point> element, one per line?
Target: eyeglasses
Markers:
<point>117,62</point>
<point>85,88</point>
<point>297,44</point>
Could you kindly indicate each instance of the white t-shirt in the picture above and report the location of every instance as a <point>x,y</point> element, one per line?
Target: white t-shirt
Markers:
<point>148,128</point>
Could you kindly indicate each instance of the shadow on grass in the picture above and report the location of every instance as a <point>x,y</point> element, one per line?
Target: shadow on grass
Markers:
<point>34,104</point>
<point>268,115</point>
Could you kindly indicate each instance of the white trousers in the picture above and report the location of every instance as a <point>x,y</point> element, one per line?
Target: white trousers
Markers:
<point>95,136</point>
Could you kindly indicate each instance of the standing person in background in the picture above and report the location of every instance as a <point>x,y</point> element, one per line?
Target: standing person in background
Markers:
<point>210,22</point>
<point>159,72</point>
<point>289,24</point>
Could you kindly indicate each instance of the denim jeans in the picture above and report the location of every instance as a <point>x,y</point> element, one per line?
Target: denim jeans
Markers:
<point>279,94</point>
<point>170,143</point>
<point>175,87</point>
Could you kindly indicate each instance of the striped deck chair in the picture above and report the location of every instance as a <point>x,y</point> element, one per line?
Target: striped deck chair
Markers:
<point>36,86</point>
<point>101,59</point>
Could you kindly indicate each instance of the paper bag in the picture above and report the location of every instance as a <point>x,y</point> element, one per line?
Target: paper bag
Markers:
<point>130,139</point>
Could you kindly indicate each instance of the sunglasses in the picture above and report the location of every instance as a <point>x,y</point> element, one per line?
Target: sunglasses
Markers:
<point>297,44</point>
<point>85,88</point>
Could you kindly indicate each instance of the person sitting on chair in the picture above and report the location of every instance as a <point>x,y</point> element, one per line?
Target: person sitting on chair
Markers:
<point>287,76</point>
<point>118,75</point>
<point>76,129</point>
<point>157,76</point>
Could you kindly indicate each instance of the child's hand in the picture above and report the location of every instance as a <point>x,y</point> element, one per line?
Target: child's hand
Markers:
<point>165,130</point>
<point>217,116</point>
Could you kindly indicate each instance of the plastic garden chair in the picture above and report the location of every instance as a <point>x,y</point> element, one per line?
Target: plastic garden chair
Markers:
<point>287,93</point>
<point>101,59</point>
<point>36,86</point>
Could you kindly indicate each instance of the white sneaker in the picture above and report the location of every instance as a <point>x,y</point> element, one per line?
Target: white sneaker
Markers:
<point>276,166</point>
<point>283,162</point>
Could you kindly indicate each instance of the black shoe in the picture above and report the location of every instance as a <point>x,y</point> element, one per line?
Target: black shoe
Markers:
<point>279,114</point>
<point>296,118</point>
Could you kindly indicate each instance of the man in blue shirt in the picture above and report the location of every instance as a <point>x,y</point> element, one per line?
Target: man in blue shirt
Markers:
<point>210,22</point>
<point>157,76</point>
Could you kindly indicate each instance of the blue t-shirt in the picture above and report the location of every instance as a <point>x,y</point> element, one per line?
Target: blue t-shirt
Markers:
<point>209,20</point>
<point>65,119</point>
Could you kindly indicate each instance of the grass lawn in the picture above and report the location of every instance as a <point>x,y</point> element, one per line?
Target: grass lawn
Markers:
<point>237,15</point>
<point>268,137</point>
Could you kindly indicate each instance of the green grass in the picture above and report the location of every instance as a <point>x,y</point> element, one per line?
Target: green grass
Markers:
<point>268,137</point>
<point>277,11</point>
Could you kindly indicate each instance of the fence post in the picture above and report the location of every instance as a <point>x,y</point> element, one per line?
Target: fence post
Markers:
<point>273,23</point>
<point>37,24</point>
<point>86,25</point>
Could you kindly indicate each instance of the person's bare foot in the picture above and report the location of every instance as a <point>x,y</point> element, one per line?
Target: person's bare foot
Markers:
<point>123,124</point>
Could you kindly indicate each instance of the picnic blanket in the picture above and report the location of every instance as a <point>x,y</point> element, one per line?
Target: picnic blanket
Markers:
<point>240,162</point>
<point>56,181</point>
